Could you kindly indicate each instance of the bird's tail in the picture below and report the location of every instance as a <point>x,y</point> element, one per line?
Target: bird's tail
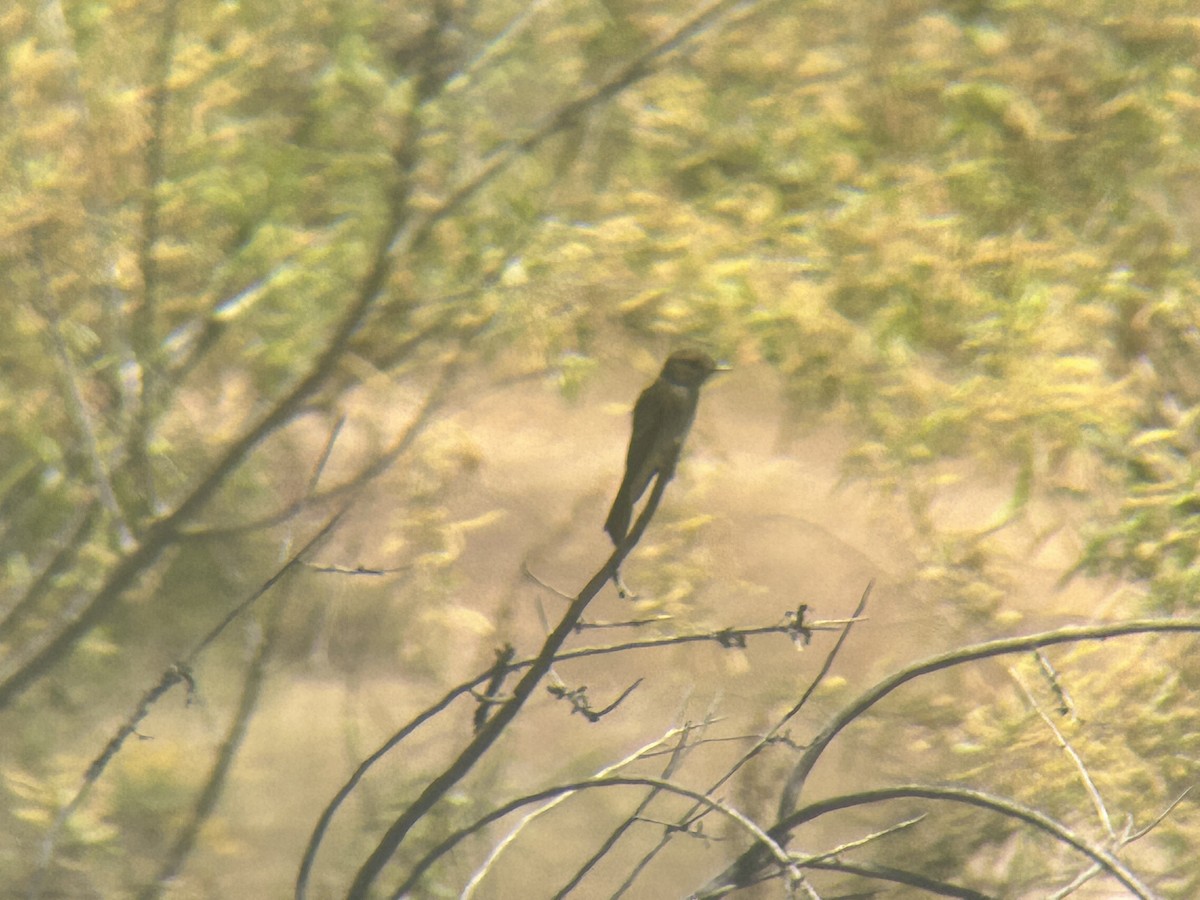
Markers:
<point>617,523</point>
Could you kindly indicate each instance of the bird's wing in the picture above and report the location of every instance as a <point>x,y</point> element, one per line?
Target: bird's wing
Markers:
<point>643,443</point>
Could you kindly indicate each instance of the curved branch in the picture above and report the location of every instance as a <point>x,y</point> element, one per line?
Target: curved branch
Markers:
<point>762,838</point>
<point>676,754</point>
<point>763,742</point>
<point>899,876</point>
<point>742,869</point>
<point>173,675</point>
<point>494,727</point>
<point>982,800</point>
<point>465,688</point>
<point>973,653</point>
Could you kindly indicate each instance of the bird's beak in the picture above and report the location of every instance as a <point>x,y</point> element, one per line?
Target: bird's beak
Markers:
<point>723,367</point>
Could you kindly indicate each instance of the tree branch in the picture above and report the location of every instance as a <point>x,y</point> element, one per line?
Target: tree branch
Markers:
<point>981,800</point>
<point>741,871</point>
<point>494,727</point>
<point>762,838</point>
<point>174,674</point>
<point>466,688</point>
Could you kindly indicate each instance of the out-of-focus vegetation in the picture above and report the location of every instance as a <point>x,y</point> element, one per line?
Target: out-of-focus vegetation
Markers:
<point>964,234</point>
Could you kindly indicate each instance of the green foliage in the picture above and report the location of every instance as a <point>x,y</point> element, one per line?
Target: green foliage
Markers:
<point>962,230</point>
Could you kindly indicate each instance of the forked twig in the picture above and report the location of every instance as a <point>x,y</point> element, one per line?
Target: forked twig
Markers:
<point>742,871</point>
<point>514,833</point>
<point>1084,776</point>
<point>174,674</point>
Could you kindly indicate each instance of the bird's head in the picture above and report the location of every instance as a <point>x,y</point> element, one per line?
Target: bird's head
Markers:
<point>689,367</point>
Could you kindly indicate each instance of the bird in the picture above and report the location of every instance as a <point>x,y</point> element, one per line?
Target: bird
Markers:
<point>661,419</point>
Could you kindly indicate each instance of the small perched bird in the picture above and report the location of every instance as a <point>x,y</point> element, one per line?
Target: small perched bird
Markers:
<point>661,420</point>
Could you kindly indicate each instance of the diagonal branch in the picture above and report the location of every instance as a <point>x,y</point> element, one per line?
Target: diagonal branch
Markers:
<point>463,689</point>
<point>974,653</point>
<point>218,775</point>
<point>1119,842</point>
<point>405,232</point>
<point>762,838</point>
<point>77,412</point>
<point>981,800</point>
<point>1085,776</point>
<point>568,115</point>
<point>674,760</point>
<point>763,741</point>
<point>494,727</point>
<point>66,553</point>
<point>681,733</point>
<point>174,674</point>
<point>742,870</point>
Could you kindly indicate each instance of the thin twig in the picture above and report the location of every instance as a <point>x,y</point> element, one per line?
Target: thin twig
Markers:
<point>511,837</point>
<point>503,38</point>
<point>464,689</point>
<point>173,675</point>
<point>762,742</point>
<point>743,821</point>
<point>1157,820</point>
<point>218,776</point>
<point>165,531</point>
<point>437,396</point>
<point>528,573</point>
<point>980,799</point>
<point>676,756</point>
<point>893,875</point>
<point>860,842</point>
<point>1088,784</point>
<point>1092,871</point>
<point>78,415</point>
<point>742,869</point>
<point>144,322</point>
<point>67,550</point>
<point>974,653</point>
<point>494,727</point>
<point>1066,706</point>
<point>567,115</point>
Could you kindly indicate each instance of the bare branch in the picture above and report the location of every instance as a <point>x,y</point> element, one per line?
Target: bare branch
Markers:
<point>174,674</point>
<point>900,876</point>
<point>460,690</point>
<point>676,756</point>
<point>218,776</point>
<point>65,555</point>
<point>565,117</point>
<point>1092,871</point>
<point>493,728</point>
<point>511,837</point>
<point>742,870</point>
<point>491,693</point>
<point>794,621</point>
<point>980,799</point>
<point>972,653</point>
<point>861,842</point>
<point>1084,776</point>
<point>1066,706</point>
<point>77,412</point>
<point>580,703</point>
<point>434,400</point>
<point>144,325</point>
<point>760,836</point>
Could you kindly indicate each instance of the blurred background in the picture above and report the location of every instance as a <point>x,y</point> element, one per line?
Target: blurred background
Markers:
<point>416,260</point>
